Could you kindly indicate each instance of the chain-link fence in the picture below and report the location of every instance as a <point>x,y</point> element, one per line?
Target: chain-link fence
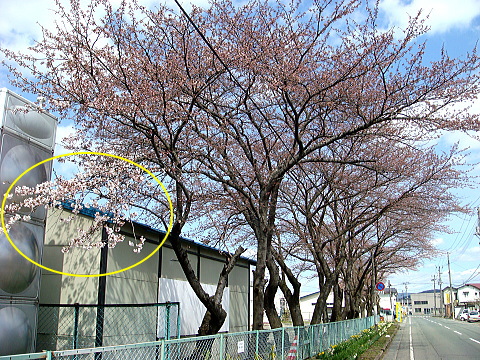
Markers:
<point>64,327</point>
<point>279,344</point>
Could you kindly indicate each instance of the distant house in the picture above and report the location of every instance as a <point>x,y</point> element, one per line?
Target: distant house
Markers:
<point>450,296</point>
<point>388,298</point>
<point>469,296</point>
<point>386,302</point>
<point>307,305</point>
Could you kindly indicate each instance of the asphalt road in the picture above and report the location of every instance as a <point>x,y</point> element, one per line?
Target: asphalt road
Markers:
<point>433,338</point>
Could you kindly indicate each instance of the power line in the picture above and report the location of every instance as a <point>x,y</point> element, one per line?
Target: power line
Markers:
<point>473,275</point>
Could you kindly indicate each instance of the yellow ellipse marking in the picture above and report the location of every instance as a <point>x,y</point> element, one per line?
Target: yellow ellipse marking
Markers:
<point>2,213</point>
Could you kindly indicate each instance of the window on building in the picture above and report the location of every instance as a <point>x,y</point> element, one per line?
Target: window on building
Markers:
<point>418,310</point>
<point>465,293</point>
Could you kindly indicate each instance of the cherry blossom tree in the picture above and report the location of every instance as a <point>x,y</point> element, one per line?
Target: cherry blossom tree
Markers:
<point>379,206</point>
<point>134,99</point>
<point>226,102</point>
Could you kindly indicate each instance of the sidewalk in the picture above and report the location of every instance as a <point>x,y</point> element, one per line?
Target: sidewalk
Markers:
<point>399,349</point>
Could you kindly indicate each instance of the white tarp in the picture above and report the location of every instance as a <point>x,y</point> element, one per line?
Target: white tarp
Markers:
<point>191,309</point>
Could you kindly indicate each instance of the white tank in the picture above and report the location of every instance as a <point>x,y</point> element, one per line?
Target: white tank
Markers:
<point>27,136</point>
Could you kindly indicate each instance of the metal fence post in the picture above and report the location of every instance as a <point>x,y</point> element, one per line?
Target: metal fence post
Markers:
<point>310,340</point>
<point>221,349</point>
<point>334,338</point>
<point>283,343</point>
<point>256,344</point>
<point>162,350</point>
<point>76,311</point>
<point>178,321</point>
<point>167,320</point>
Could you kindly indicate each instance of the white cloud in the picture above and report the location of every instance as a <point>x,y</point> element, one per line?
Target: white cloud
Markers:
<point>437,241</point>
<point>465,276</point>
<point>20,21</point>
<point>470,255</point>
<point>63,131</point>
<point>66,168</point>
<point>444,15</point>
<point>19,26</point>
<point>469,141</point>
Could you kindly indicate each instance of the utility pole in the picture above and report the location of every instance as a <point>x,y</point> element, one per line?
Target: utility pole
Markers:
<point>478,223</point>
<point>451,290</point>
<point>406,296</point>
<point>441,292</point>
<point>390,293</point>
<point>434,297</point>
<point>406,292</point>
<point>373,309</point>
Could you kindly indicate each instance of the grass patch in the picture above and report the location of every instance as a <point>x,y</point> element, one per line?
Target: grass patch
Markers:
<point>379,346</point>
<point>373,338</point>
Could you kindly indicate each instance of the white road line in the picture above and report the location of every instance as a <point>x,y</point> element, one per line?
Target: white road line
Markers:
<point>459,333</point>
<point>411,342</point>
<point>446,327</point>
<point>478,342</point>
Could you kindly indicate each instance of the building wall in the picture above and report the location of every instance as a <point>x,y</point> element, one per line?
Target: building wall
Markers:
<point>157,279</point>
<point>171,268</point>
<point>386,301</point>
<point>468,294</point>
<point>307,305</point>
<point>239,298</point>
<point>450,295</point>
<point>57,288</point>
<point>426,304</point>
<point>191,309</point>
<point>138,285</point>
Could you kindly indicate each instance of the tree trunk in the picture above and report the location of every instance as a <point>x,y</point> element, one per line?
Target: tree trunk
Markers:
<point>321,304</point>
<point>295,311</point>
<point>210,325</point>
<point>263,227</point>
<point>293,299</point>
<point>215,314</point>
<point>270,292</point>
<point>337,303</point>
<point>330,279</point>
<point>258,284</point>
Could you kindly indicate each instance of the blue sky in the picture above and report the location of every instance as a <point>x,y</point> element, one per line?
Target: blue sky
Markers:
<point>454,25</point>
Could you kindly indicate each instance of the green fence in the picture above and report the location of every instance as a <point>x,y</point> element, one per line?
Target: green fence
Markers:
<point>252,345</point>
<point>65,327</point>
